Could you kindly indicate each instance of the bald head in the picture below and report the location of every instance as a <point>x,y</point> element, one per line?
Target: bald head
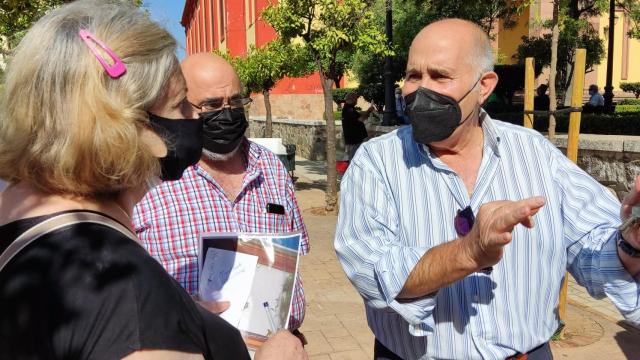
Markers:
<point>209,77</point>
<point>460,40</point>
<point>454,58</point>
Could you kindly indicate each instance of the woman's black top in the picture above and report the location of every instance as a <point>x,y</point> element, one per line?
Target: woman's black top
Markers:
<point>89,292</point>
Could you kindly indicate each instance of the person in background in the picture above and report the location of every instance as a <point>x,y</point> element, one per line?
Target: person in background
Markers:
<point>237,186</point>
<point>596,100</point>
<point>400,108</point>
<point>93,114</point>
<point>353,128</point>
<point>541,101</point>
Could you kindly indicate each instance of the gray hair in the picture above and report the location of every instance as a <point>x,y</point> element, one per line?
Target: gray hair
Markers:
<point>483,57</point>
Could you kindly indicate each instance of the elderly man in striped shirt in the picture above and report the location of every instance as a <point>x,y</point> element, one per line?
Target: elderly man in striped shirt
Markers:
<point>436,229</point>
<point>238,185</point>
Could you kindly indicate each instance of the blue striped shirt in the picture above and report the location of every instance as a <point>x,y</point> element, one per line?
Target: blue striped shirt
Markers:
<point>398,200</point>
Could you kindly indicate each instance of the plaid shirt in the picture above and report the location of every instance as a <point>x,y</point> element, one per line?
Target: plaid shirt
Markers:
<point>171,217</point>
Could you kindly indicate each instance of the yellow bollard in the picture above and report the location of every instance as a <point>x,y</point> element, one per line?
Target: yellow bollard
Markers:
<point>572,150</point>
<point>529,80</point>
<point>576,102</point>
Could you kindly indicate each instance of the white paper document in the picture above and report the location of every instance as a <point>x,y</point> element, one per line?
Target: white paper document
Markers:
<point>256,273</point>
<point>227,276</point>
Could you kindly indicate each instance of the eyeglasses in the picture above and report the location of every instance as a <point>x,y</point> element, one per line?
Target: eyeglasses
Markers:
<point>463,222</point>
<point>219,104</point>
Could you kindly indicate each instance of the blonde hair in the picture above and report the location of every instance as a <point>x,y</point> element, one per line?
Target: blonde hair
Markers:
<point>65,125</point>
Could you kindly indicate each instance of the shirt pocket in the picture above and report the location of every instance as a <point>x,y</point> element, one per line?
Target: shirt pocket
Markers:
<point>274,221</point>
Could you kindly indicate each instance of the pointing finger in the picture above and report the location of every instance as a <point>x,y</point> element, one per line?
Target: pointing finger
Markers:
<point>518,212</point>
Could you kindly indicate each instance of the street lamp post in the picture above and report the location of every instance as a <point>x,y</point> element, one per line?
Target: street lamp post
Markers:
<point>608,89</point>
<point>389,117</point>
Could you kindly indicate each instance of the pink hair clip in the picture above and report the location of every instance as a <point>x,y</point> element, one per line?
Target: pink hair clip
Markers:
<point>117,69</point>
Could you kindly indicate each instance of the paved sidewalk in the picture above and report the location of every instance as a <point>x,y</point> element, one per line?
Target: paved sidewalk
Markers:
<point>334,323</point>
<point>578,295</point>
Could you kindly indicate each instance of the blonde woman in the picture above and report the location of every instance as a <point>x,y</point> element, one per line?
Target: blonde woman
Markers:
<point>94,112</point>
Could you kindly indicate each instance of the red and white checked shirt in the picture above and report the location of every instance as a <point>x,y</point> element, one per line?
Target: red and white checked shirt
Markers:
<point>171,217</point>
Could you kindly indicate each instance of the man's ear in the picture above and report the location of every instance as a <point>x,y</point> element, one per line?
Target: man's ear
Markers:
<point>488,83</point>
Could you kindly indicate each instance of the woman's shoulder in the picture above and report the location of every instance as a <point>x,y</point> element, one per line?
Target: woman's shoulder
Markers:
<point>95,288</point>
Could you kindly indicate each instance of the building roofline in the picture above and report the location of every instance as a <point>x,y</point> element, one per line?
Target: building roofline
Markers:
<point>187,12</point>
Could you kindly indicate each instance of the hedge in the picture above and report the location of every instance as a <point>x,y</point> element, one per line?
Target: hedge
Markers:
<point>604,124</point>
<point>337,115</point>
<point>629,102</point>
<point>628,108</point>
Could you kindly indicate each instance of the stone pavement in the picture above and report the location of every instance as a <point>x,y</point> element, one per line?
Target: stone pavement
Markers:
<point>578,295</point>
<point>335,325</point>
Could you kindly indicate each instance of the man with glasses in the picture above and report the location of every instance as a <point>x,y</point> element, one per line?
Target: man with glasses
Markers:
<point>238,186</point>
<point>430,233</point>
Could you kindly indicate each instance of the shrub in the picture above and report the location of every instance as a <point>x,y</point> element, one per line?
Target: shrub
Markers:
<point>337,115</point>
<point>631,87</point>
<point>604,124</point>
<point>629,102</point>
<point>623,108</point>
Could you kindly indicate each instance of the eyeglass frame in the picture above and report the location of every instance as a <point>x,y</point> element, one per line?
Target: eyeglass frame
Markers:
<point>463,223</point>
<point>241,101</point>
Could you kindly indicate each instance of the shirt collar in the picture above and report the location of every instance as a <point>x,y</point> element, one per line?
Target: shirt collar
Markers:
<point>492,138</point>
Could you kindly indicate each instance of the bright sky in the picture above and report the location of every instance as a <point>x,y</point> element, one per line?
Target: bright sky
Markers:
<point>169,13</point>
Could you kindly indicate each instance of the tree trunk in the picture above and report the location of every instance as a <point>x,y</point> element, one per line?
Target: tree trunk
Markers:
<point>331,195</point>
<point>553,99</point>
<point>268,124</point>
<point>574,11</point>
<point>568,85</point>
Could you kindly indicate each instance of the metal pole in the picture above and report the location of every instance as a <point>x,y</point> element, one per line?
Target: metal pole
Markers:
<point>389,117</point>
<point>608,89</point>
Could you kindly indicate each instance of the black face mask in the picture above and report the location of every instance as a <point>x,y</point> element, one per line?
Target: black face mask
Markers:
<point>224,129</point>
<point>434,117</point>
<point>183,139</point>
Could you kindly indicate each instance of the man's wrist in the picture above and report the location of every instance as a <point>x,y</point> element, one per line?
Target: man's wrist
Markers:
<point>467,258</point>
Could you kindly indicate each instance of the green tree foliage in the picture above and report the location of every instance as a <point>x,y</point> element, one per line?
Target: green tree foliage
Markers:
<point>482,12</point>
<point>263,67</point>
<point>632,8</point>
<point>409,17</point>
<point>328,28</point>
<point>16,16</point>
<point>574,34</point>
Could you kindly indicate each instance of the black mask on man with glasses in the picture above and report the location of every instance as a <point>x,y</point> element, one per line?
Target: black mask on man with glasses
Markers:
<point>224,129</point>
